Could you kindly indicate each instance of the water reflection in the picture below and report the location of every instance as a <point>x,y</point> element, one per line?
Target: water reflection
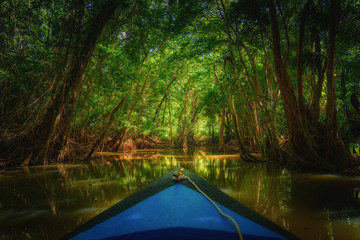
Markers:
<point>48,201</point>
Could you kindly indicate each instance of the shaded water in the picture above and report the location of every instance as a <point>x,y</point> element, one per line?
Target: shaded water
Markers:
<point>48,201</point>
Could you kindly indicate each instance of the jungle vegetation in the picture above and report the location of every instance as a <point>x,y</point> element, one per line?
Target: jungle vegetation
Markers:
<point>278,78</point>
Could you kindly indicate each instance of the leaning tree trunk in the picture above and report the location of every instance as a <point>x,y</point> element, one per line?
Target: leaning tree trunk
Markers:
<point>57,118</point>
<point>101,137</point>
<point>244,154</point>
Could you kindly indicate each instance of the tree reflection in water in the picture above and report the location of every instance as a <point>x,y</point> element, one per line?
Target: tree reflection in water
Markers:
<point>46,202</point>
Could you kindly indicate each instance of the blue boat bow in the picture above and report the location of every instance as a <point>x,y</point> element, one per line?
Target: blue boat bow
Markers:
<point>167,209</point>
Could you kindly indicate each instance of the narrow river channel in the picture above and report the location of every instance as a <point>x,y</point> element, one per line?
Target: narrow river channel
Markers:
<point>45,202</point>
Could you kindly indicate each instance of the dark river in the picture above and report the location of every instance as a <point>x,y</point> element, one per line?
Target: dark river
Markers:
<point>45,202</point>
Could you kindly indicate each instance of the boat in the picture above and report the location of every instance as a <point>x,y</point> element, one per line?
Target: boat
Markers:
<point>179,205</point>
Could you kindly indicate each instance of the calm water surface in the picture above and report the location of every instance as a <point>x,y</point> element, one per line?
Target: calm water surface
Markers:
<point>46,202</point>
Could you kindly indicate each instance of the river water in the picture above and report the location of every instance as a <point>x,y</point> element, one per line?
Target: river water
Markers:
<point>46,202</point>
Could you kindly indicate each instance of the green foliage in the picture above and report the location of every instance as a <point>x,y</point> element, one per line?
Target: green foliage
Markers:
<point>354,148</point>
<point>157,60</point>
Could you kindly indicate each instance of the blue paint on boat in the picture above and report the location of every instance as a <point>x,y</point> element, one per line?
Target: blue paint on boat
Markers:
<point>177,212</point>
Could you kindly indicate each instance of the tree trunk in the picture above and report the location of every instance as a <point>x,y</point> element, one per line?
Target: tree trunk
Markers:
<point>139,94</point>
<point>315,104</point>
<point>287,92</point>
<point>243,152</point>
<point>170,123</point>
<point>227,128</point>
<point>331,122</point>
<point>300,138</point>
<point>300,56</point>
<point>165,93</point>
<point>336,152</point>
<point>221,130</point>
<point>54,127</point>
<point>222,116</point>
<point>105,130</point>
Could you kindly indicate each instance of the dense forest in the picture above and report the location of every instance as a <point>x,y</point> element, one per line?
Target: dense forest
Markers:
<point>277,78</point>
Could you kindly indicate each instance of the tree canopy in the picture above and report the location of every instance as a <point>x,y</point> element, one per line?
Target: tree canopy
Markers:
<point>279,78</point>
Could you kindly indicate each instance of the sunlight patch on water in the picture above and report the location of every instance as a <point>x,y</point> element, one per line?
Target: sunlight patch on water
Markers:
<point>90,180</point>
<point>24,215</point>
<point>232,156</point>
<point>89,210</point>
